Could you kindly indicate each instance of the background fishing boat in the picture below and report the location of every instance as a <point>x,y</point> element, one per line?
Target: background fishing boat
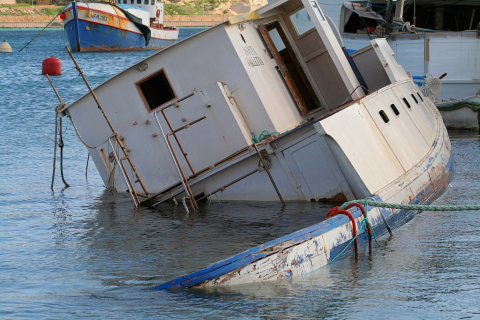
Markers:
<point>98,26</point>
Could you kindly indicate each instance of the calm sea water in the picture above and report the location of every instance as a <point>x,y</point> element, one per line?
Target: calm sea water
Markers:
<point>79,252</point>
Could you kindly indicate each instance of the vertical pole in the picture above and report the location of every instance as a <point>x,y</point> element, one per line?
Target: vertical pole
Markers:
<point>269,175</point>
<point>389,10</point>
<point>55,149</point>
<point>61,155</point>
<point>179,171</point>
<point>399,11</point>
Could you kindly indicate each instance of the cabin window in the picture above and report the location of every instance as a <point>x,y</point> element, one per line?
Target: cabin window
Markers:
<point>406,102</point>
<point>153,2</point>
<point>302,22</point>
<point>414,98</point>
<point>420,96</point>
<point>156,90</point>
<point>139,1</point>
<point>132,1</point>
<point>384,116</point>
<point>394,109</point>
<point>146,2</point>
<point>119,1</point>
<point>124,1</point>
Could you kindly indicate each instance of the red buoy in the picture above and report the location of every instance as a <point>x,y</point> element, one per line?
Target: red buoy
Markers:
<point>63,16</point>
<point>52,66</point>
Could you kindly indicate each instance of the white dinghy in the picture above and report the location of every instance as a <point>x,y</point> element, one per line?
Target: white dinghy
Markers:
<point>267,106</point>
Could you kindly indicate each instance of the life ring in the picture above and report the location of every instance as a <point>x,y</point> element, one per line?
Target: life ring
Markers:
<point>158,13</point>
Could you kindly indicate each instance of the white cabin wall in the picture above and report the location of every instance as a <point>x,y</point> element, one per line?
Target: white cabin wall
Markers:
<point>279,106</point>
<point>200,63</point>
<point>393,148</point>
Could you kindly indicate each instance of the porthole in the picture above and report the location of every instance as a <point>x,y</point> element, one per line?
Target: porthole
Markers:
<point>414,98</point>
<point>384,116</point>
<point>406,102</point>
<point>420,96</point>
<point>395,110</point>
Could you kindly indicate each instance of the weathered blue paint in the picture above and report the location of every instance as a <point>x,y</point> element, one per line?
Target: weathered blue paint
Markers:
<point>395,219</point>
<point>100,37</point>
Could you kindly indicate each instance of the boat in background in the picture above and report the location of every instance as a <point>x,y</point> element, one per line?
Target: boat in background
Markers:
<point>103,26</point>
<point>429,38</point>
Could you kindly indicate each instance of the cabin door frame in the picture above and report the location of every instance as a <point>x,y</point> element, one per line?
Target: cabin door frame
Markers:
<point>304,106</point>
<point>333,47</point>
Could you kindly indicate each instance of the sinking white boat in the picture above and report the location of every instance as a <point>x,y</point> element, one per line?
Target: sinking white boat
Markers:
<point>268,107</point>
<point>429,38</point>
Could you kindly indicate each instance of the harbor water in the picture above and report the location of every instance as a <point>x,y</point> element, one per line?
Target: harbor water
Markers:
<point>81,252</point>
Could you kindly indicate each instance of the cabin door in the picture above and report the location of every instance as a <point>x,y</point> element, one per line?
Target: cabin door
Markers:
<point>288,66</point>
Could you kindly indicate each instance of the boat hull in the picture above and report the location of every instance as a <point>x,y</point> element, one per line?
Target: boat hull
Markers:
<point>98,30</point>
<point>309,249</point>
<point>312,248</point>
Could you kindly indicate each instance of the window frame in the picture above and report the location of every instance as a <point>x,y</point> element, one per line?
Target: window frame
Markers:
<point>297,33</point>
<point>142,95</point>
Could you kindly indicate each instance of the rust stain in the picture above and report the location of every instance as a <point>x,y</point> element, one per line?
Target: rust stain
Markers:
<point>230,276</point>
<point>107,164</point>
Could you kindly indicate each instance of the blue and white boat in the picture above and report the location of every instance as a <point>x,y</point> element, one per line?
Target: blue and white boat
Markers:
<point>98,26</point>
<point>265,107</point>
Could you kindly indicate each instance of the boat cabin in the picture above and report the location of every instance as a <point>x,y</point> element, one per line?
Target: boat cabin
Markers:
<point>188,118</point>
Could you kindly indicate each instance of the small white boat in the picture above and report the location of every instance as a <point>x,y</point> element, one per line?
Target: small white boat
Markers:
<point>123,26</point>
<point>268,107</point>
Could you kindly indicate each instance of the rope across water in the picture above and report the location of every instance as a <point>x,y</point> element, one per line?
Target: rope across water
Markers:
<point>410,206</point>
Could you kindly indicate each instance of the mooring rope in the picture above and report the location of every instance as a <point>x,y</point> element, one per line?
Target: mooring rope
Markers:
<point>410,206</point>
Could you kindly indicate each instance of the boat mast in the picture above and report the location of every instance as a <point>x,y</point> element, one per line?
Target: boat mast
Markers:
<point>399,11</point>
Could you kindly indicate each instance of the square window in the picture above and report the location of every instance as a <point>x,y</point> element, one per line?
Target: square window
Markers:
<point>146,2</point>
<point>156,90</point>
<point>139,1</point>
<point>153,2</point>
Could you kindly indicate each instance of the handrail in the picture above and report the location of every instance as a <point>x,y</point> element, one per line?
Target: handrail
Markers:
<point>173,158</point>
<point>175,102</point>
<point>128,178</point>
<point>123,173</point>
